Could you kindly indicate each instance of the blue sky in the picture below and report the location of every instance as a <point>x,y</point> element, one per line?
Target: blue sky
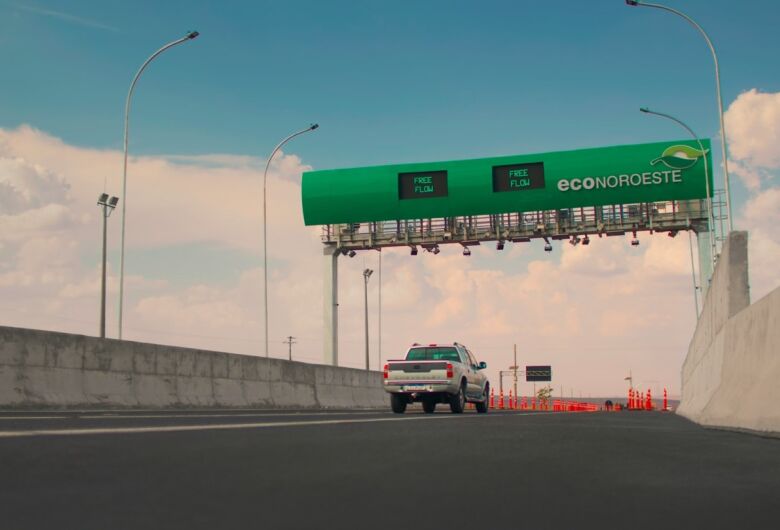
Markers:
<point>389,82</point>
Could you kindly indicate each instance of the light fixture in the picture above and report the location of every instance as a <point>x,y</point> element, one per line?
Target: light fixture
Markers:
<point>435,249</point>
<point>103,199</point>
<point>466,251</point>
<point>634,242</point>
<point>112,202</point>
<point>673,233</point>
<point>351,253</point>
<point>548,248</point>
<point>574,241</point>
<point>414,251</point>
<point>500,245</point>
<point>586,240</point>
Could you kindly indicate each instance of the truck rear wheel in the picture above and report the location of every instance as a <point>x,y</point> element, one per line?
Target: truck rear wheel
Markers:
<point>398,403</point>
<point>429,406</point>
<point>482,406</point>
<point>458,401</point>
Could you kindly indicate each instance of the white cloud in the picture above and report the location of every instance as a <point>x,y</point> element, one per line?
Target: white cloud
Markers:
<point>593,312</point>
<point>753,128</point>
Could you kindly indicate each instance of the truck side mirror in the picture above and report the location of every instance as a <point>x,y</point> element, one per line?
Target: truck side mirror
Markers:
<point>482,365</point>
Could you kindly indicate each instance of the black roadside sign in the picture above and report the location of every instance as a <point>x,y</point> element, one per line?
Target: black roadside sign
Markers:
<point>538,373</point>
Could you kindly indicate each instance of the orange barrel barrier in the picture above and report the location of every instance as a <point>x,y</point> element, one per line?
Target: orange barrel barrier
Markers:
<point>492,398</point>
<point>666,403</point>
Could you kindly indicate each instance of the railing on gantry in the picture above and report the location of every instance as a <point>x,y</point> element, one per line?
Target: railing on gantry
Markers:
<point>611,220</point>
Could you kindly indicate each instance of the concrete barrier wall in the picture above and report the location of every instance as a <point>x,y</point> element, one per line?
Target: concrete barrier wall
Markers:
<point>41,368</point>
<point>731,375</point>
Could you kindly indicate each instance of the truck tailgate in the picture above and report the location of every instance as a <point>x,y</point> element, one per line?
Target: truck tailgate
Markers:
<point>417,371</point>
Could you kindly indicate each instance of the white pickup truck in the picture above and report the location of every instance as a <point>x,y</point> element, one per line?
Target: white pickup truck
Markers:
<point>437,373</point>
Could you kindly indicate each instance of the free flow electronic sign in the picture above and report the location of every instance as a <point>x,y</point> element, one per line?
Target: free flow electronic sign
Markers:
<point>518,177</point>
<point>538,373</point>
<point>422,184</point>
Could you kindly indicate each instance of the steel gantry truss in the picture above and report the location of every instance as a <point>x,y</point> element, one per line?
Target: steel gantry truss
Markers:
<point>578,225</point>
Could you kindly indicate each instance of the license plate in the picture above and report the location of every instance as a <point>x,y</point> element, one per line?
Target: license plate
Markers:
<point>416,388</point>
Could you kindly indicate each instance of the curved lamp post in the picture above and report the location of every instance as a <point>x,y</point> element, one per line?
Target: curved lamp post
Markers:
<point>265,228</point>
<point>189,36</point>
<point>710,218</point>
<point>717,90</point>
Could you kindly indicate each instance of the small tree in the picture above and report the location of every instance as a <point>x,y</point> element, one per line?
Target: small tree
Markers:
<point>543,396</point>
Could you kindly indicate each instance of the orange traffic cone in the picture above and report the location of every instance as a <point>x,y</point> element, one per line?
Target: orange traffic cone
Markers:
<point>666,403</point>
<point>501,400</point>
<point>492,398</point>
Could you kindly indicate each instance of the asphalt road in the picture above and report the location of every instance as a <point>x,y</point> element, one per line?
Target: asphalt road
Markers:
<point>372,470</point>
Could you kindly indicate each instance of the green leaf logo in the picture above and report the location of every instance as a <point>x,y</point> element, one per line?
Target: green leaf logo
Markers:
<point>679,157</point>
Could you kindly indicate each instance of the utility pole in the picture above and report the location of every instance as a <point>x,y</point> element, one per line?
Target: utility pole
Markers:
<point>514,368</point>
<point>290,341</point>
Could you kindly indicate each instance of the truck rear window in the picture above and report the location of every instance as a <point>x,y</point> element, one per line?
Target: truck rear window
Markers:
<point>433,354</point>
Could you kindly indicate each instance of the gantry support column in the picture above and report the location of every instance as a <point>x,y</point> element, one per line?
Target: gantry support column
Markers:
<point>330,298</point>
<point>704,241</point>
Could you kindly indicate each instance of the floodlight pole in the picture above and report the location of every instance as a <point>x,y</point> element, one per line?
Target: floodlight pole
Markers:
<point>717,91</point>
<point>107,207</point>
<point>265,227</point>
<point>103,276</point>
<point>366,275</point>
<point>189,36</point>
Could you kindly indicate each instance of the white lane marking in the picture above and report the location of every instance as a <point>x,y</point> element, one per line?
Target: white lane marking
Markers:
<point>111,416</point>
<point>233,426</point>
<point>277,415</point>
<point>35,417</point>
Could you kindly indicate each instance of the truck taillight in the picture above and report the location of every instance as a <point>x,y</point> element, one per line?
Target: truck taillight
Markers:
<point>449,371</point>
<point>387,368</point>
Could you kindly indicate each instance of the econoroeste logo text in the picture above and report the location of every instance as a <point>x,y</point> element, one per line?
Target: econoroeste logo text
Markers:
<point>675,157</point>
<point>648,178</point>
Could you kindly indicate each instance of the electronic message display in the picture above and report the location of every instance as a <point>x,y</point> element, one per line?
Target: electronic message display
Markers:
<point>422,185</point>
<point>538,373</point>
<point>518,177</point>
<point>621,174</point>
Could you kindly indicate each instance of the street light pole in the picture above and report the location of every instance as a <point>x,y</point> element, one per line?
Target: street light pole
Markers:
<point>366,275</point>
<point>189,36</point>
<point>693,276</point>
<point>379,331</point>
<point>717,91</point>
<point>108,206</point>
<point>265,227</point>
<point>710,218</point>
